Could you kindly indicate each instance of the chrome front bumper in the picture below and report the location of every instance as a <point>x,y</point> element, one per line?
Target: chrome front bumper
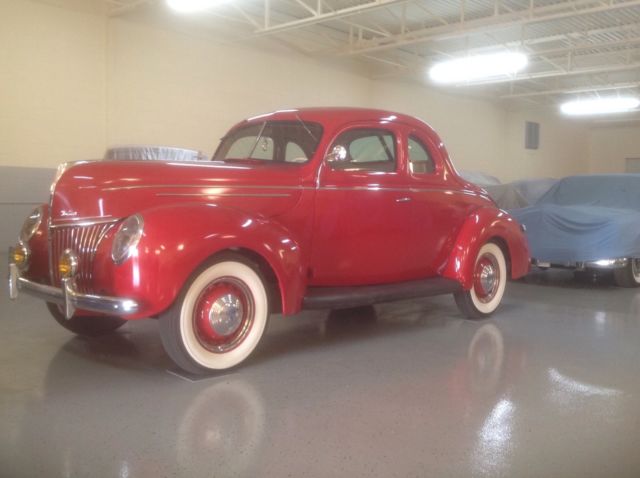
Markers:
<point>68,297</point>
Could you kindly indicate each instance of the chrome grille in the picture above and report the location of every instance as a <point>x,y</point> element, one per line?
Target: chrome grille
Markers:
<point>83,240</point>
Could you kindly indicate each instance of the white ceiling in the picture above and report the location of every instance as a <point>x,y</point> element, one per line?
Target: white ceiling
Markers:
<point>575,47</point>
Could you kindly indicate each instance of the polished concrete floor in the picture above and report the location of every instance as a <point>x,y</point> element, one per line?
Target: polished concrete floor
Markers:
<point>549,387</point>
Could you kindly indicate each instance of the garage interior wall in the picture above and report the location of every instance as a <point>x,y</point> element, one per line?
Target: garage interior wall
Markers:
<point>610,147</point>
<point>73,83</point>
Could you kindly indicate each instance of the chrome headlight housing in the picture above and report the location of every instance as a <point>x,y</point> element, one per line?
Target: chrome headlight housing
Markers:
<point>126,238</point>
<point>31,224</point>
<point>59,172</point>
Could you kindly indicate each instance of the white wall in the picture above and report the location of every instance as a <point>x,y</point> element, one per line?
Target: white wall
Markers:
<point>609,146</point>
<point>472,130</point>
<point>52,84</point>
<point>563,148</point>
<point>484,136</point>
<point>73,83</point>
<point>184,90</point>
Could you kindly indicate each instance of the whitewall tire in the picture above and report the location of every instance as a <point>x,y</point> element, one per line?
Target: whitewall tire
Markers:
<point>220,317</point>
<point>489,282</point>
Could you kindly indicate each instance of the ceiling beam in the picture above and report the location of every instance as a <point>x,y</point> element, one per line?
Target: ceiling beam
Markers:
<point>320,17</point>
<point>558,73</point>
<point>568,91</point>
<point>463,27</point>
<point>120,7</point>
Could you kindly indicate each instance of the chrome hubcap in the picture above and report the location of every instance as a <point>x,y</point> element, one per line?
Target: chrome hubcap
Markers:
<point>225,315</point>
<point>486,278</point>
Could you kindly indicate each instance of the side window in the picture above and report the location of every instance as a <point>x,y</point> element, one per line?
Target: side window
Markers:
<point>368,149</point>
<point>294,153</point>
<point>420,161</point>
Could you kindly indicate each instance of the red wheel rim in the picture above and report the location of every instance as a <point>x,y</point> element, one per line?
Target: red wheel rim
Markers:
<point>223,314</point>
<point>486,278</point>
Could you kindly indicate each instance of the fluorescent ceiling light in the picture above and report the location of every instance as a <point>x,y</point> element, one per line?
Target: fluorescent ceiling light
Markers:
<point>478,67</point>
<point>191,6</point>
<point>600,106</point>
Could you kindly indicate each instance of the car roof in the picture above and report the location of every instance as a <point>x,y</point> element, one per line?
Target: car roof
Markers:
<point>342,115</point>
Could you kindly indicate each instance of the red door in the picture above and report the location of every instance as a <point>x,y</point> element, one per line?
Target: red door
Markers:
<point>363,212</point>
<point>439,207</point>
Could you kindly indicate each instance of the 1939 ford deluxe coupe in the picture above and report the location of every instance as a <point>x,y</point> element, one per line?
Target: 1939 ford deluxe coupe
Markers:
<point>298,209</point>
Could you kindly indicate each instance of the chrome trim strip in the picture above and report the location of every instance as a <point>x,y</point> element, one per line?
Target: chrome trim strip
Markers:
<point>68,297</point>
<point>254,195</point>
<point>82,222</point>
<point>50,236</point>
<point>409,189</point>
<point>204,186</point>
<point>289,188</point>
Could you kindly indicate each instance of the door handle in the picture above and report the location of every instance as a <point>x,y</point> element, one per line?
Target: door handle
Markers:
<point>403,199</point>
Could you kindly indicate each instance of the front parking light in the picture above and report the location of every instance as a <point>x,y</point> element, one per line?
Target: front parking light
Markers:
<point>20,256</point>
<point>68,264</point>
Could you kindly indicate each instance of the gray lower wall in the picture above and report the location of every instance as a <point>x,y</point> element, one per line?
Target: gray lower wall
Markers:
<point>21,190</point>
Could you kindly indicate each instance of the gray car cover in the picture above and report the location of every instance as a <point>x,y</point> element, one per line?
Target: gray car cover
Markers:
<point>585,218</point>
<point>152,153</point>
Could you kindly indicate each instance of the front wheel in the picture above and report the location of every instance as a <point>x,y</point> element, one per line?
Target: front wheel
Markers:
<point>629,275</point>
<point>93,326</point>
<point>489,282</point>
<point>219,318</point>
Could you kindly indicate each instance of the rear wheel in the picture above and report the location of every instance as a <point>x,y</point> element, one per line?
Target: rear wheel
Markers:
<point>629,275</point>
<point>220,317</point>
<point>489,282</point>
<point>89,326</point>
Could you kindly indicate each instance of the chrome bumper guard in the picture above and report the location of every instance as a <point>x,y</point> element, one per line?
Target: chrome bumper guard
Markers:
<point>601,264</point>
<point>607,263</point>
<point>68,297</point>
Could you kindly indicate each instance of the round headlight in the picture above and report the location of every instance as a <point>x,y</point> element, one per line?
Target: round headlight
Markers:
<point>31,224</point>
<point>126,239</point>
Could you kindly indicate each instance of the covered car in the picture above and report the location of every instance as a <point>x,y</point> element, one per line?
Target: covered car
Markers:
<point>141,152</point>
<point>588,222</point>
<point>511,195</point>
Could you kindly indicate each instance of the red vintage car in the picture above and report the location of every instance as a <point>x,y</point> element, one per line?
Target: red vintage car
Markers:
<point>298,209</point>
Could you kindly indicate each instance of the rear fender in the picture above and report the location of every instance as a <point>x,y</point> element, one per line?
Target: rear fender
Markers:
<point>484,225</point>
<point>178,239</point>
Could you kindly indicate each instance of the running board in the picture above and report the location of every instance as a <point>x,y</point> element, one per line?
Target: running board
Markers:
<point>346,297</point>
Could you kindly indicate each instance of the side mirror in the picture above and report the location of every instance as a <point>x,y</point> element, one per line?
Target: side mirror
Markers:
<point>337,155</point>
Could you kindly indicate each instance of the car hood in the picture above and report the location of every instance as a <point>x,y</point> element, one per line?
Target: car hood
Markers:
<point>106,190</point>
<point>566,234</point>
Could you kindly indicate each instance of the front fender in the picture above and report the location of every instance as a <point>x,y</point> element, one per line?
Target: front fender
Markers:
<point>483,225</point>
<point>178,239</point>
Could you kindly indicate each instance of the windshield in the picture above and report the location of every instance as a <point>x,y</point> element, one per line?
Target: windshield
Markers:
<point>276,141</point>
